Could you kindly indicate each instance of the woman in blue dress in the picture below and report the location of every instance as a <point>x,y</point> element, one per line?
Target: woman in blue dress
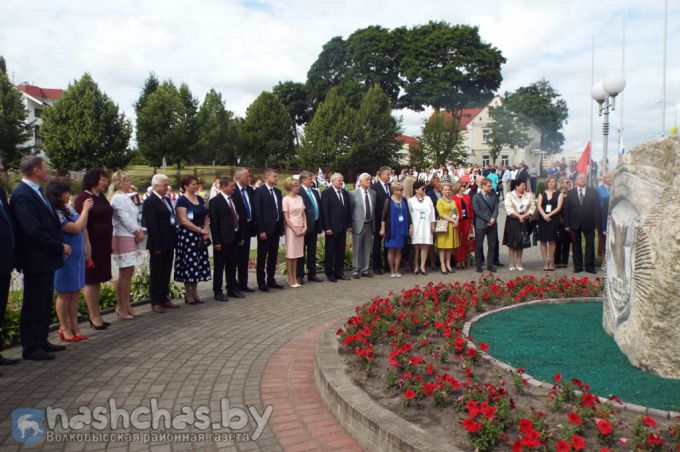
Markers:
<point>396,227</point>
<point>69,279</point>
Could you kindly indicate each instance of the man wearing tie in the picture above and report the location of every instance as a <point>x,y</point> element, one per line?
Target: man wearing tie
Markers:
<point>485,207</point>
<point>382,193</point>
<point>159,219</point>
<point>312,199</point>
<point>243,200</point>
<point>582,215</point>
<point>337,221</point>
<point>269,221</point>
<point>6,257</point>
<point>228,230</point>
<point>39,251</point>
<point>363,221</point>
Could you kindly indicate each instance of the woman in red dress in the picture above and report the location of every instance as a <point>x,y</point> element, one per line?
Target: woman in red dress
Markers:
<point>465,229</point>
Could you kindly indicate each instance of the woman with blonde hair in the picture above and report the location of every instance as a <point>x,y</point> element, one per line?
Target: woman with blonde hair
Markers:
<point>408,186</point>
<point>127,235</point>
<point>549,206</point>
<point>395,227</point>
<point>293,208</point>
<point>466,236</point>
<point>447,241</point>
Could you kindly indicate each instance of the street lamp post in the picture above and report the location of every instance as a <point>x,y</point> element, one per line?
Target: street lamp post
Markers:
<point>604,93</point>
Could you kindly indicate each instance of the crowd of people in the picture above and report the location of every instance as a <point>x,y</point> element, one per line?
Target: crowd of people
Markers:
<point>395,223</point>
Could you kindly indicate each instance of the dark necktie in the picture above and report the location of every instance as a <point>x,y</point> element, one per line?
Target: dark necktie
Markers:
<point>369,216</point>
<point>580,195</point>
<point>246,204</point>
<point>276,204</point>
<point>233,213</point>
<point>342,201</point>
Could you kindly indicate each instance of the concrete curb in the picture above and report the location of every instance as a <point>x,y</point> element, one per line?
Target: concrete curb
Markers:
<point>661,414</point>
<point>374,427</point>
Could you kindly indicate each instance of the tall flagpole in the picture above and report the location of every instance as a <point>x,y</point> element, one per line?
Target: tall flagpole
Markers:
<point>663,71</point>
<point>592,82</point>
<point>623,73</point>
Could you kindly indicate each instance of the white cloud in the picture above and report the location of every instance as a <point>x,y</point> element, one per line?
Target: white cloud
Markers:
<point>243,47</point>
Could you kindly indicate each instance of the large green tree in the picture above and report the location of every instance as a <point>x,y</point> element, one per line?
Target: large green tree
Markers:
<point>266,137</point>
<point>326,142</point>
<point>441,140</point>
<point>84,129</point>
<point>217,131</point>
<point>166,125</point>
<point>507,130</point>
<point>541,105</point>
<point>295,99</point>
<point>14,130</point>
<point>151,84</point>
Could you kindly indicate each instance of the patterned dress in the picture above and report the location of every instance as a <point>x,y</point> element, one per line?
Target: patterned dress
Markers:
<point>192,263</point>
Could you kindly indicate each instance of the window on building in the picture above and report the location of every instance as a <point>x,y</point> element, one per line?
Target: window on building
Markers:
<point>505,160</point>
<point>485,135</point>
<point>37,112</point>
<point>486,160</point>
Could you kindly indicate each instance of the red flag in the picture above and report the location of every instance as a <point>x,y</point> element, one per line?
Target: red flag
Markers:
<point>584,161</point>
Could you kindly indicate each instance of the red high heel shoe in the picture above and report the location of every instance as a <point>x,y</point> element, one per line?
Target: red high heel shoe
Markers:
<point>81,337</point>
<point>68,339</point>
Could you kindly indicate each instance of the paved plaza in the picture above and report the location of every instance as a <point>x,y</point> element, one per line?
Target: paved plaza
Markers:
<point>253,351</point>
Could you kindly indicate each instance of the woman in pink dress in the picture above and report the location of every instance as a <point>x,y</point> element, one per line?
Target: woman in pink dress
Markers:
<point>296,226</point>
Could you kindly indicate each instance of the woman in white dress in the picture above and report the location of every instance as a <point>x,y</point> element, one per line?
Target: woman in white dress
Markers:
<point>422,211</point>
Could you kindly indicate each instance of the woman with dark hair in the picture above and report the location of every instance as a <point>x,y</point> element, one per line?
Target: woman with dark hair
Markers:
<point>421,211</point>
<point>520,206</point>
<point>192,263</point>
<point>466,237</point>
<point>100,232</point>
<point>69,279</point>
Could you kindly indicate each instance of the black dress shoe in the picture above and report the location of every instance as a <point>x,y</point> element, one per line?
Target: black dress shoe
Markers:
<point>315,279</point>
<point>300,281</point>
<point>8,361</point>
<point>479,270</point>
<point>263,288</point>
<point>275,285</point>
<point>344,278</point>
<point>235,294</point>
<point>497,264</point>
<point>39,355</point>
<point>246,289</point>
<point>491,269</point>
<point>331,279</point>
<point>378,271</point>
<point>219,296</point>
<point>49,347</point>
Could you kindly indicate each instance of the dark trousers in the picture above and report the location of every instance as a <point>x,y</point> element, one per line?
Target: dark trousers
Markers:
<point>578,250</point>
<point>225,265</point>
<point>4,293</point>
<point>34,322</point>
<point>309,257</point>
<point>379,253</point>
<point>562,246</point>
<point>267,254</point>
<point>335,255</point>
<point>242,262</point>
<point>160,268</point>
<point>491,234</point>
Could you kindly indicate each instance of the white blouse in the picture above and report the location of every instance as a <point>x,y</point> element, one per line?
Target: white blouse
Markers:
<point>125,216</point>
<point>524,204</point>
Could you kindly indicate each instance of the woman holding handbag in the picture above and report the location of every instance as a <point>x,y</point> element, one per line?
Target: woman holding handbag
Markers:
<point>447,228</point>
<point>520,206</point>
<point>466,233</point>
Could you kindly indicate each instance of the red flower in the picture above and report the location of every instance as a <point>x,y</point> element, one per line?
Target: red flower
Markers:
<point>648,421</point>
<point>563,446</point>
<point>409,394</point>
<point>483,346</point>
<point>588,400</point>
<point>489,412</point>
<point>459,344</point>
<point>604,427</point>
<point>578,442</point>
<point>604,449</point>
<point>471,426</point>
<point>557,378</point>
<point>574,418</point>
<point>654,440</point>
<point>525,425</point>
<point>471,352</point>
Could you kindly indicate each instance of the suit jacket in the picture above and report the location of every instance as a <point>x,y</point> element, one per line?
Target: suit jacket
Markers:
<point>6,236</point>
<point>39,246</point>
<point>162,235</point>
<point>380,197</point>
<point>313,226</point>
<point>336,216</point>
<point>268,214</point>
<point>251,228</point>
<point>222,222</point>
<point>584,217</point>
<point>483,212</point>
<point>359,210</point>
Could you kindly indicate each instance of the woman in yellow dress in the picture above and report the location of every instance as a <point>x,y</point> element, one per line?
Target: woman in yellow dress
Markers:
<point>447,241</point>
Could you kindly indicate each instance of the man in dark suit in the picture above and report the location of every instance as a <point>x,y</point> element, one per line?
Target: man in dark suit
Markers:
<point>39,251</point>
<point>269,220</point>
<point>337,221</point>
<point>582,216</point>
<point>382,192</point>
<point>243,200</point>
<point>6,257</point>
<point>159,219</point>
<point>521,176</point>
<point>485,207</point>
<point>228,229</point>
<point>312,199</point>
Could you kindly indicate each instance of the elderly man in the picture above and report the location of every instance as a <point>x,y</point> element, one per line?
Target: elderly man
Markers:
<point>159,219</point>
<point>363,223</point>
<point>382,193</point>
<point>312,199</point>
<point>337,221</point>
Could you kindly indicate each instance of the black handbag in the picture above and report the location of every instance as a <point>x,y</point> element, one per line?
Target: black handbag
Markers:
<point>525,236</point>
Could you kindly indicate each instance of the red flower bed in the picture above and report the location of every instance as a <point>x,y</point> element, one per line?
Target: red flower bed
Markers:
<point>414,340</point>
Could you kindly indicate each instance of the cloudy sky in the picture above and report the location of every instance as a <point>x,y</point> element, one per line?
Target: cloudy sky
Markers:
<point>242,47</point>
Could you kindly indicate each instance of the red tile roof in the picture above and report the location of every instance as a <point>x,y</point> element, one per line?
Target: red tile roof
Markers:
<point>41,93</point>
<point>467,115</point>
<point>405,139</point>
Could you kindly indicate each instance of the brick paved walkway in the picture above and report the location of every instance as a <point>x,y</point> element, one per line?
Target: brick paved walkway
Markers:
<point>198,355</point>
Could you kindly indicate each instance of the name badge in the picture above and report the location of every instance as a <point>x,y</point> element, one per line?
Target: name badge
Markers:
<point>190,215</point>
<point>422,214</point>
<point>172,220</point>
<point>464,213</point>
<point>548,208</point>
<point>521,210</point>
<point>401,218</point>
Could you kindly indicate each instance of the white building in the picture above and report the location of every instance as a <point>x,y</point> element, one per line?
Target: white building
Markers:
<point>36,99</point>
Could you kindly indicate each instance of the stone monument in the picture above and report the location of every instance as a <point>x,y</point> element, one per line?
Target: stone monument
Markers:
<point>642,295</point>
